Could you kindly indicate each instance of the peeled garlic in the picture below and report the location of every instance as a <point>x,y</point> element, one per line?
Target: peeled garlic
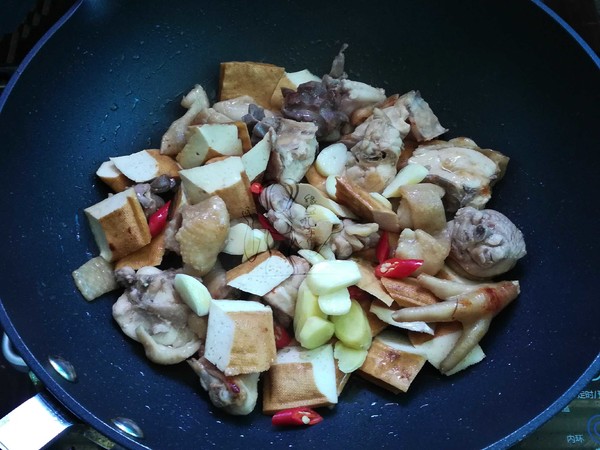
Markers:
<point>329,276</point>
<point>330,184</point>
<point>411,174</point>
<point>235,242</point>
<point>322,221</point>
<point>311,256</point>
<point>256,242</point>
<point>381,199</point>
<point>193,293</point>
<point>332,160</point>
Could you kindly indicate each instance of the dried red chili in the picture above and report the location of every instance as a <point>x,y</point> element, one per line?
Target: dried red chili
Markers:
<point>282,337</point>
<point>296,417</point>
<point>158,220</point>
<point>397,267</point>
<point>382,251</point>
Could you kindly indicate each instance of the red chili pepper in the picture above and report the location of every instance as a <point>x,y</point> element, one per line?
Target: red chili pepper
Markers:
<point>382,251</point>
<point>267,226</point>
<point>296,417</point>
<point>397,267</point>
<point>158,220</point>
<point>256,188</point>
<point>282,337</point>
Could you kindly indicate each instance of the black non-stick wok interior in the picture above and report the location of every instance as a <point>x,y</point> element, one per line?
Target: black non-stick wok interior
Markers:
<point>109,81</point>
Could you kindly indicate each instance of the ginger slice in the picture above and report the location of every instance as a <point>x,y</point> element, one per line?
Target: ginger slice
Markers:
<point>364,205</point>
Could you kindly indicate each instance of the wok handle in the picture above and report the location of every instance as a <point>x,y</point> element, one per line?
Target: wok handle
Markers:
<point>32,425</point>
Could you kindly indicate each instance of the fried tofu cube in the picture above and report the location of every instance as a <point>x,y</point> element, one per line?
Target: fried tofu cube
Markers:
<point>149,255</point>
<point>301,377</point>
<point>146,165</point>
<point>261,273</point>
<point>209,140</point>
<point>113,177</point>
<point>240,337</point>
<point>119,225</point>
<point>392,362</point>
<point>258,80</point>
<point>226,178</point>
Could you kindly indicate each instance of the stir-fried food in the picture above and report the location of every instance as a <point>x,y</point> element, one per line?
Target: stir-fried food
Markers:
<point>317,228</point>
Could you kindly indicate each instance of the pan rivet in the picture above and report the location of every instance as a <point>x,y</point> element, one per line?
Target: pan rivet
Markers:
<point>128,426</point>
<point>64,368</point>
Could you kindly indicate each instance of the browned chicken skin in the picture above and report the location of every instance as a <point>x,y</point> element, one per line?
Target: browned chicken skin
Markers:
<point>203,231</point>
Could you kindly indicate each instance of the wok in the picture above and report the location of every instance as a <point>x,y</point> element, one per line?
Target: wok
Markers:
<point>108,82</point>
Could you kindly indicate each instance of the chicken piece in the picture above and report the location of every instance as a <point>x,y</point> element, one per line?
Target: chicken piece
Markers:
<point>210,116</point>
<point>398,115</point>
<point>419,244</point>
<point>421,207</point>
<point>394,110</point>
<point>484,243</point>
<point>424,125</point>
<point>315,102</point>
<point>283,298</point>
<point>234,108</point>
<point>174,138</point>
<point>204,229</point>
<point>165,354</point>
<point>408,113</point>
<point>292,220</point>
<point>350,95</point>
<point>337,66</point>
<point>499,158</point>
<point>330,102</point>
<point>236,395</point>
<point>465,174</point>
<point>95,278</point>
<point>361,114</point>
<point>353,237</point>
<point>287,217</point>
<point>371,163</point>
<point>174,222</point>
<point>355,95</point>
<point>295,147</point>
<point>475,309</point>
<point>171,230</point>
<point>151,312</point>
